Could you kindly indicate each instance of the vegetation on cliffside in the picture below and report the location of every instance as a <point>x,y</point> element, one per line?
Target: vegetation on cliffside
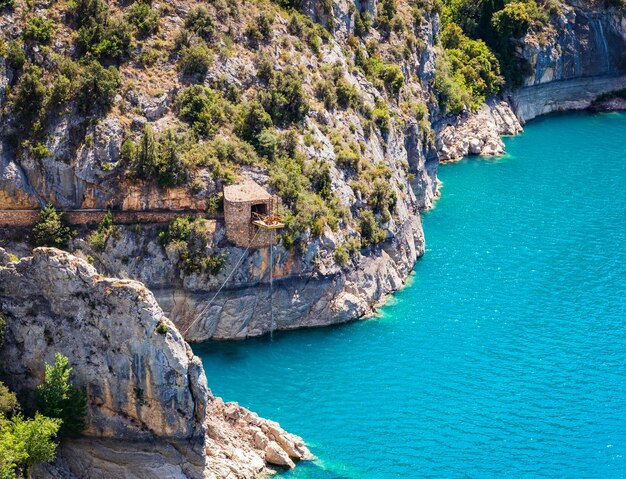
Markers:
<point>310,100</point>
<point>26,441</point>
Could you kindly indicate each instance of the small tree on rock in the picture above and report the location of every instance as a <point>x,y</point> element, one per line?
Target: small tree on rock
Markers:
<point>50,230</point>
<point>57,398</point>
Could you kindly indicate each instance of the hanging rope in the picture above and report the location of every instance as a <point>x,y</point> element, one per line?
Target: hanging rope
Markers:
<point>205,309</point>
<point>272,286</point>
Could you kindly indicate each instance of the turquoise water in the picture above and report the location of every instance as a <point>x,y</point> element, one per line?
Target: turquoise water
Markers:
<point>506,355</point>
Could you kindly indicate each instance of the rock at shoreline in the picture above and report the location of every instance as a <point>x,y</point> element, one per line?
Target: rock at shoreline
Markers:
<point>477,133</point>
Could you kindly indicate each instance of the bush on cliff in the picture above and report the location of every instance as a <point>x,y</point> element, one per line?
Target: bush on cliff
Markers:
<point>58,398</point>
<point>143,17</point>
<point>97,87</point>
<point>161,158</point>
<point>195,59</point>
<point>39,29</point>
<point>28,96</point>
<point>106,229</point>
<point>199,21</point>
<point>190,238</point>
<point>284,99</point>
<point>468,73</point>
<point>371,233</point>
<point>51,230</point>
<point>23,442</point>
<point>203,108</point>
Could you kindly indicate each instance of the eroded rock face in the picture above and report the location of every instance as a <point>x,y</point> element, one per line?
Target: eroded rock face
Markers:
<point>146,390</point>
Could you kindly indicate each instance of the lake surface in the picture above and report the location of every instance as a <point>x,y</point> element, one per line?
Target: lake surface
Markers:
<point>506,354</point>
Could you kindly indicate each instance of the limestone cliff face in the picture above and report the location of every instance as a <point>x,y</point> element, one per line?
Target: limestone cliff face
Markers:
<point>311,289</point>
<point>579,57</point>
<point>146,390</point>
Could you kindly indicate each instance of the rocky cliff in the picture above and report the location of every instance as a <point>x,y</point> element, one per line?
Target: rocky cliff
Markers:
<point>383,136</point>
<point>150,412</point>
<point>378,145</point>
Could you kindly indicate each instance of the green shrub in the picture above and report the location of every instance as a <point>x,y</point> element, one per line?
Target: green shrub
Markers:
<point>195,59</point>
<point>326,92</point>
<point>371,233</point>
<point>348,156</point>
<point>172,169</point>
<point>158,158</point>
<point>232,150</point>
<point>16,56</point>
<point>50,229</point>
<point>61,91</point>
<point>202,108</point>
<point>143,17</point>
<point>307,209</point>
<point>379,73</point>
<point>319,175</point>
<point>260,29</point>
<point>347,93</point>
<point>39,29</point>
<point>362,23</point>
<point>7,4</point>
<point>393,78</point>
<point>8,402</point>
<point>382,198</point>
<point>200,22</point>
<point>265,69</point>
<point>28,96</point>
<point>387,10</point>
<point>57,398</point>
<point>252,120</point>
<point>264,23</point>
<point>25,443</point>
<point>469,72</point>
<point>382,118</point>
<point>267,143</point>
<point>86,12</point>
<point>97,87</point>
<point>190,238</point>
<point>161,328</point>
<point>111,39</point>
<point>341,256</point>
<point>106,229</point>
<point>146,162</point>
<point>129,152</point>
<point>515,18</point>
<point>215,203</point>
<point>295,25</point>
<point>285,100</point>
<point>40,151</point>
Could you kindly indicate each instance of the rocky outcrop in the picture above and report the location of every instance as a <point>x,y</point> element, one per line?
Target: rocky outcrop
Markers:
<point>477,133</point>
<point>149,405</point>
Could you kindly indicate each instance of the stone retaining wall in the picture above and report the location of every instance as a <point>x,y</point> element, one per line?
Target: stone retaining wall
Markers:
<point>14,218</point>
